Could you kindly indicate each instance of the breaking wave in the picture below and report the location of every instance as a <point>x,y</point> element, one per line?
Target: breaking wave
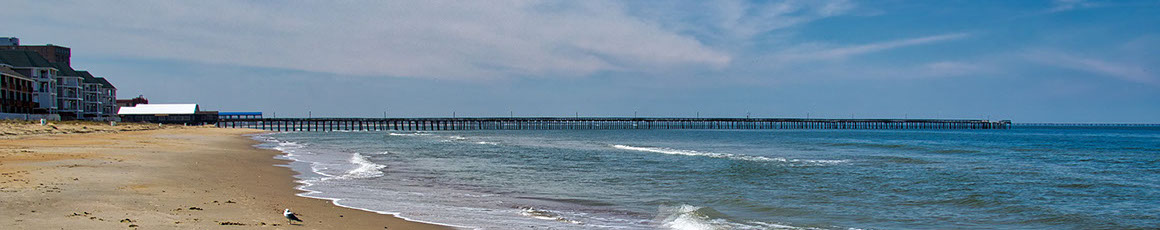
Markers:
<point>409,134</point>
<point>725,155</point>
<point>286,146</point>
<point>689,217</point>
<point>365,168</point>
<point>546,215</point>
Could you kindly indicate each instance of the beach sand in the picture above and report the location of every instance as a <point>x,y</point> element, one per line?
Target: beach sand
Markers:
<point>173,178</point>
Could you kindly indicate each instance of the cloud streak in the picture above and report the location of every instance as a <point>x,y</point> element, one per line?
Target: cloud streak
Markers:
<point>1067,5</point>
<point>1121,71</point>
<point>747,19</point>
<point>429,39</point>
<point>818,52</point>
<point>737,23</point>
<point>952,68</point>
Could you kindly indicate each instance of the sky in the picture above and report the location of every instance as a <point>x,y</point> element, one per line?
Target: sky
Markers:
<point>1026,61</point>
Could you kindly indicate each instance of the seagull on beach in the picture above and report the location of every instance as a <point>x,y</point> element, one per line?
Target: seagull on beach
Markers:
<point>290,217</point>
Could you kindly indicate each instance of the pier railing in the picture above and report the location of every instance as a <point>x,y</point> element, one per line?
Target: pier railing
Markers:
<point>1088,124</point>
<point>595,123</point>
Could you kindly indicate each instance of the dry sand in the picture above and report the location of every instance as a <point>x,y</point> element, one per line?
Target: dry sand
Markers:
<point>177,178</point>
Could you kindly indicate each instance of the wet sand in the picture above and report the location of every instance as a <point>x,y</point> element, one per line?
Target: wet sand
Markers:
<point>180,178</point>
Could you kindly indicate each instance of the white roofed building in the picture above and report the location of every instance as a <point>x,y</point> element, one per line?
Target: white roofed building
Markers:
<point>159,109</point>
<point>189,114</point>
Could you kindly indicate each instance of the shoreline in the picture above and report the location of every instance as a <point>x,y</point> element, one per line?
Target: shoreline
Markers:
<point>188,178</point>
<point>304,192</point>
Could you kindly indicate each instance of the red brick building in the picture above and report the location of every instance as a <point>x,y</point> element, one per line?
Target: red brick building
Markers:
<point>140,99</point>
<point>15,92</point>
<point>50,52</point>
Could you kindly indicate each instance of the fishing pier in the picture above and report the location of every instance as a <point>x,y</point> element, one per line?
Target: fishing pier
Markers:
<point>594,123</point>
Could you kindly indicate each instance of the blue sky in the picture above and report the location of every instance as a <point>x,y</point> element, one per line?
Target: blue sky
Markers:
<point>1028,61</point>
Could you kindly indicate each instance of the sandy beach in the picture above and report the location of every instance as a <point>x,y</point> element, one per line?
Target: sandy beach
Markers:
<point>168,178</point>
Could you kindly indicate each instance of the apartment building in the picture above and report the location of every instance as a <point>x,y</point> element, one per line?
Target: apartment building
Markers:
<point>32,65</point>
<point>57,87</point>
<point>15,91</point>
<point>106,100</point>
<point>97,97</point>
<point>69,92</point>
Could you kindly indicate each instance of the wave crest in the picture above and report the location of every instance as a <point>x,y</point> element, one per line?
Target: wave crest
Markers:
<point>285,146</point>
<point>365,168</point>
<point>409,134</point>
<point>545,215</point>
<point>689,217</point>
<point>724,155</point>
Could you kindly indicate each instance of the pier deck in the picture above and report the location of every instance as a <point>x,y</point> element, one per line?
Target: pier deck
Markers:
<point>595,123</point>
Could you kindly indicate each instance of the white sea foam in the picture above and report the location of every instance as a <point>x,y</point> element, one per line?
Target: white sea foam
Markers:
<point>293,149</point>
<point>336,167</point>
<point>689,217</point>
<point>365,168</point>
<point>683,217</point>
<point>360,166</point>
<point>486,143</point>
<point>409,134</point>
<point>285,146</point>
<point>724,155</point>
<point>545,215</point>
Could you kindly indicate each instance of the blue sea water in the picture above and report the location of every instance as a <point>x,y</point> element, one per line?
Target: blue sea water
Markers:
<point>1023,178</point>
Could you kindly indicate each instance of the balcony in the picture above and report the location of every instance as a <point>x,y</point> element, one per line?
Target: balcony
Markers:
<point>67,96</point>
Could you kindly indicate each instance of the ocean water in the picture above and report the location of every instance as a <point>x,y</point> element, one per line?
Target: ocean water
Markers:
<point>1023,178</point>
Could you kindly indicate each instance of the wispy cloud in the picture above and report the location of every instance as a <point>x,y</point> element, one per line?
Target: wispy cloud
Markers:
<point>952,68</point>
<point>435,39</point>
<point>746,19</point>
<point>813,52</point>
<point>928,70</point>
<point>1122,71</point>
<point>737,23</point>
<point>1067,5</point>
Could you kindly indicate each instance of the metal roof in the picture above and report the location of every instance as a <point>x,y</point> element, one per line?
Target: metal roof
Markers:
<point>149,109</point>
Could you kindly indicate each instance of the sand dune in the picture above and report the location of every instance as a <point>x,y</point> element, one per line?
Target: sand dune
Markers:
<point>17,128</point>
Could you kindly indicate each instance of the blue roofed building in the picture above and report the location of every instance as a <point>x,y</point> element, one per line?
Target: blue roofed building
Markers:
<point>239,115</point>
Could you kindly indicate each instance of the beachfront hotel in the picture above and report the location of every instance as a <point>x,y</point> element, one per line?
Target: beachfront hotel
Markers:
<point>99,97</point>
<point>58,90</point>
<point>15,91</point>
<point>34,66</point>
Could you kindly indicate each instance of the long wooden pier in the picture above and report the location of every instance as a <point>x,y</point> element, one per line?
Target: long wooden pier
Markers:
<point>1089,124</point>
<point>594,123</point>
